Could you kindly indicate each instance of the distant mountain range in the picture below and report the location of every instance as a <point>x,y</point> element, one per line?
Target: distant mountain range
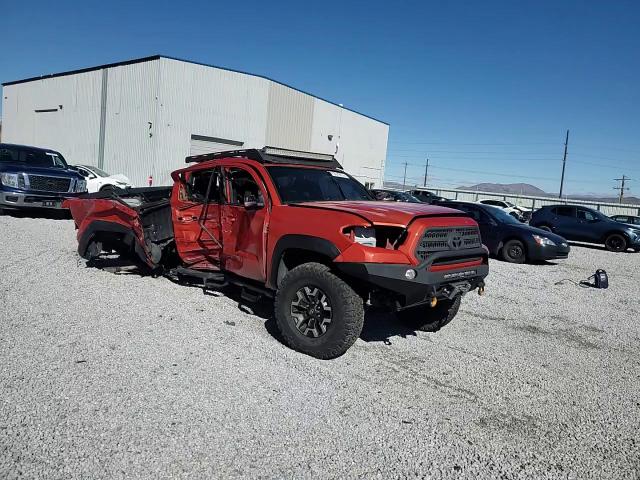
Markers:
<point>509,188</point>
<point>527,189</point>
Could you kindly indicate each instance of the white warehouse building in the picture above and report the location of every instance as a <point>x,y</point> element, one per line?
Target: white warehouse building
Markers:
<point>142,118</point>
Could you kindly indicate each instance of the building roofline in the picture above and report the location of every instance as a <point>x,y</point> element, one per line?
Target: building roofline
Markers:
<point>158,57</point>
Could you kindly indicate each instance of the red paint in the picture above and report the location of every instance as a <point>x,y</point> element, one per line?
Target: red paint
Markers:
<point>455,266</point>
<point>242,241</point>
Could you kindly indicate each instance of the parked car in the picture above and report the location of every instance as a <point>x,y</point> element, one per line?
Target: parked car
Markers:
<point>508,238</point>
<point>426,196</point>
<point>32,177</point>
<point>521,213</point>
<point>98,180</point>
<point>628,219</point>
<point>393,196</point>
<point>298,228</point>
<point>583,224</point>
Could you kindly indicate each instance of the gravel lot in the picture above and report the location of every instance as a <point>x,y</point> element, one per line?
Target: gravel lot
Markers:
<point>117,375</point>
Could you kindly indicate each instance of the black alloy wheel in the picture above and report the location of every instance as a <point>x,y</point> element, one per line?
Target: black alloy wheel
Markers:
<point>312,312</point>
<point>616,242</point>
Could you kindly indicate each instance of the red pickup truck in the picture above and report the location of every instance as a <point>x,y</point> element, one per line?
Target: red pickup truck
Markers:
<point>296,227</point>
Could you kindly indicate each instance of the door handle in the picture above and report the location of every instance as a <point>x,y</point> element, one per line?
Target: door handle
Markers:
<point>191,218</point>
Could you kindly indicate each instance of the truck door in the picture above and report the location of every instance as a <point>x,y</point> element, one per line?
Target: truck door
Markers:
<point>196,218</point>
<point>244,224</point>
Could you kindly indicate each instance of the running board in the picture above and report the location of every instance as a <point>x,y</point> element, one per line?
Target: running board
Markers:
<point>214,279</point>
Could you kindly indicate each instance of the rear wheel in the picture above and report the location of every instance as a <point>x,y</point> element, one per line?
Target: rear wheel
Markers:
<point>107,188</point>
<point>318,313</point>
<point>431,319</point>
<point>513,252</point>
<point>616,242</point>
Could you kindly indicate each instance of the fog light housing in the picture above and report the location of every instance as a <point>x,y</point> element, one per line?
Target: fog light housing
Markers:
<point>410,274</point>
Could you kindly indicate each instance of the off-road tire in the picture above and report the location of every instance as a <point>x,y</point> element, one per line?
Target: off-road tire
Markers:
<point>347,311</point>
<point>514,252</point>
<point>430,319</point>
<point>616,242</point>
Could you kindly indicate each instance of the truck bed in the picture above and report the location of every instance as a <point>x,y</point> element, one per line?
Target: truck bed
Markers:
<point>139,218</point>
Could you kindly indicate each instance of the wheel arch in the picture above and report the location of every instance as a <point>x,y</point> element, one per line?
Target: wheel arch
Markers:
<point>617,232</point>
<point>513,236</point>
<point>293,250</point>
<point>100,230</point>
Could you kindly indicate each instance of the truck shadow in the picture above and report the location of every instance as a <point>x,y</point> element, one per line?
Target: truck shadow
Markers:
<point>38,213</point>
<point>379,325</point>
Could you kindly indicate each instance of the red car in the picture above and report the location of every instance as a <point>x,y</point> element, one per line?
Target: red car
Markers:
<point>296,227</point>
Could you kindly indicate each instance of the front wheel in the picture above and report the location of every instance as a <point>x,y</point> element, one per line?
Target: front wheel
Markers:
<point>431,319</point>
<point>616,242</point>
<point>513,252</point>
<point>317,312</point>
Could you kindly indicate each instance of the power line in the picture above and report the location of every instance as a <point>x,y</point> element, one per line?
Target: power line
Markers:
<point>621,187</point>
<point>564,163</point>
<point>426,173</point>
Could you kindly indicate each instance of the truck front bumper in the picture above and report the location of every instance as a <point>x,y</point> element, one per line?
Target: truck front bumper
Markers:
<point>29,200</point>
<point>426,284</point>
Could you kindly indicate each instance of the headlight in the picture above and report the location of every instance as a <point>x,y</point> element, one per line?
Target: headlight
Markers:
<point>364,236</point>
<point>9,180</point>
<point>81,186</point>
<point>544,241</point>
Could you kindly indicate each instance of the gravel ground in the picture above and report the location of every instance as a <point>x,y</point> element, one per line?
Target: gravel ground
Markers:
<point>117,375</point>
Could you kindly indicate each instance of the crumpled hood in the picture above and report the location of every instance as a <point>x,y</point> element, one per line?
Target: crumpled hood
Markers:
<point>118,177</point>
<point>384,213</point>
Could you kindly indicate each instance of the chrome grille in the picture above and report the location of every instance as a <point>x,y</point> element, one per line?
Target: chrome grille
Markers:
<point>49,184</point>
<point>444,239</point>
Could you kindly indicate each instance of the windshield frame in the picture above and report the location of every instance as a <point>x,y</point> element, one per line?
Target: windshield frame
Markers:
<point>269,167</point>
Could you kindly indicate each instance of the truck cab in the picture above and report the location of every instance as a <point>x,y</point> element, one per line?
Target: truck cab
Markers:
<point>294,226</point>
<point>32,177</point>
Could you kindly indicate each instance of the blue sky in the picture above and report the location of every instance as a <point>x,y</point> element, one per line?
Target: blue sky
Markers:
<point>486,90</point>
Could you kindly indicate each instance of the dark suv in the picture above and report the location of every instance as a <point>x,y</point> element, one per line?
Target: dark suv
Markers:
<point>32,177</point>
<point>584,224</point>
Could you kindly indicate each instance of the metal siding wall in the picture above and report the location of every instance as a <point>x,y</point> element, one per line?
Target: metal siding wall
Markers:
<point>72,130</point>
<point>131,128</point>
<point>290,118</point>
<point>179,99</point>
<point>363,146</point>
<point>200,100</point>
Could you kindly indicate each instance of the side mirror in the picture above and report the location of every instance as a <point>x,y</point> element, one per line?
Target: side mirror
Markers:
<point>252,203</point>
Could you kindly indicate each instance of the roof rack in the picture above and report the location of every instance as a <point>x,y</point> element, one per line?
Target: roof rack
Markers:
<point>272,155</point>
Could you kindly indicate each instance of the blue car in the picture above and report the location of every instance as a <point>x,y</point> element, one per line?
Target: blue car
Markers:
<point>32,177</point>
<point>583,224</point>
<point>510,239</point>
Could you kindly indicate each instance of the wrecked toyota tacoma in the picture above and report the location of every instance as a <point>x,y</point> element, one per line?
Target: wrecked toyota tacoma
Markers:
<point>293,226</point>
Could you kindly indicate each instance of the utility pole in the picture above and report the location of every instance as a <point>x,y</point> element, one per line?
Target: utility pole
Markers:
<point>621,187</point>
<point>404,180</point>
<point>426,172</point>
<point>564,162</point>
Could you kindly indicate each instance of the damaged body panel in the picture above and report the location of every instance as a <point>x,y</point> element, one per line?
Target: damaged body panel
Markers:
<point>296,228</point>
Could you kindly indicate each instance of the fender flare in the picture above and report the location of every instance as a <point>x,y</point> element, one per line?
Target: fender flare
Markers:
<point>299,242</point>
<point>100,226</point>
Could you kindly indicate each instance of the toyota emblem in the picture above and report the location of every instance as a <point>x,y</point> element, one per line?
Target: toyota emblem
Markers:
<point>455,242</point>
